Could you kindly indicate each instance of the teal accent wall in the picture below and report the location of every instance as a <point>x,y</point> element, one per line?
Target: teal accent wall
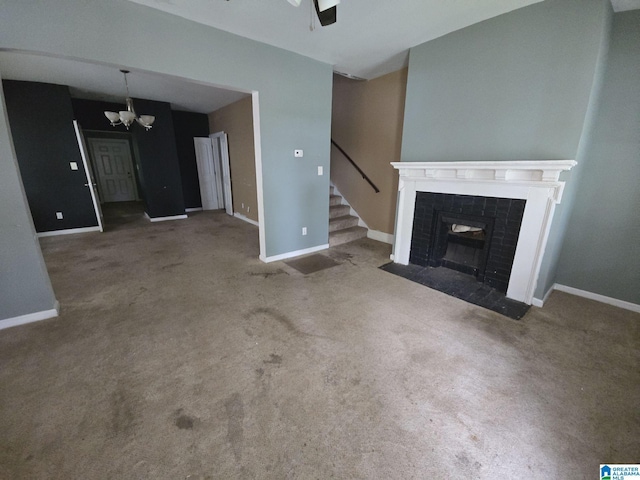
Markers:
<point>294,93</point>
<point>24,284</point>
<point>601,250</point>
<point>521,86</point>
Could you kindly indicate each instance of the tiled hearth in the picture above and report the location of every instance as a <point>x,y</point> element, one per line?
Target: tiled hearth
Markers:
<point>535,186</point>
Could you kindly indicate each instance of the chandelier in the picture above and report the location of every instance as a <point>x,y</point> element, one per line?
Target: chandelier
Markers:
<point>126,117</point>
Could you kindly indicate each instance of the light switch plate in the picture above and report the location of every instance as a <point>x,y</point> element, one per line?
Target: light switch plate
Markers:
<point>74,165</point>
<point>320,170</point>
<point>59,215</point>
<point>298,153</point>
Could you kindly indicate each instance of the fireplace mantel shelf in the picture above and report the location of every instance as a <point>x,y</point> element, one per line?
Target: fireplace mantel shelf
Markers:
<point>514,171</point>
<point>536,181</point>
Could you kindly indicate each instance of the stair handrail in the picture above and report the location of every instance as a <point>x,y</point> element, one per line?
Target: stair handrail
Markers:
<point>364,175</point>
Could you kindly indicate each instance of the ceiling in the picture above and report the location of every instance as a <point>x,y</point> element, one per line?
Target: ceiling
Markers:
<point>369,39</point>
<point>102,82</point>
<point>365,42</point>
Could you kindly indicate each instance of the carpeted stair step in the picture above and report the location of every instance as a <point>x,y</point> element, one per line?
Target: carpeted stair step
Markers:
<point>346,235</point>
<point>338,210</point>
<point>340,223</point>
<point>335,199</point>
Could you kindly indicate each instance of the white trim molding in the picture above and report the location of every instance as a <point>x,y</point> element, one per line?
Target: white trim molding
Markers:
<point>296,253</point>
<point>634,307</point>
<point>257,145</point>
<point>30,317</point>
<point>537,302</point>
<point>536,181</point>
<point>164,219</point>
<point>190,210</point>
<point>380,236</point>
<point>246,219</point>
<point>68,231</point>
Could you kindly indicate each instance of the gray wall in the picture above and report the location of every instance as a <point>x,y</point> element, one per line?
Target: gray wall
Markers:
<point>294,92</point>
<point>601,251</point>
<point>515,87</point>
<point>24,284</point>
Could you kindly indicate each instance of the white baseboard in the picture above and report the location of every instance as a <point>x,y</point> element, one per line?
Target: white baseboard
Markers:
<point>68,231</point>
<point>189,210</point>
<point>537,302</point>
<point>380,236</point>
<point>30,317</point>
<point>246,219</point>
<point>296,253</point>
<point>634,307</point>
<point>585,294</point>
<point>164,219</point>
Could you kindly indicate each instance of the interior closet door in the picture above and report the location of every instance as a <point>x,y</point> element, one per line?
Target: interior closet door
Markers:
<point>91,182</point>
<point>221,157</point>
<point>210,193</point>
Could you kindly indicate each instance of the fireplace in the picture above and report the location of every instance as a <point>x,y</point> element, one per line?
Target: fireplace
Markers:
<point>511,204</point>
<point>471,234</point>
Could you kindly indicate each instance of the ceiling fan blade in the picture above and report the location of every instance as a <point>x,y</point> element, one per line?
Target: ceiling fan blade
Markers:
<point>327,4</point>
<point>327,16</point>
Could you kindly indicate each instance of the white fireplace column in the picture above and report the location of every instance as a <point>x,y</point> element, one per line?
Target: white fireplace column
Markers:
<point>536,181</point>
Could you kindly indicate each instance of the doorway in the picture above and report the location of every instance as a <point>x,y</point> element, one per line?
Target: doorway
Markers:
<point>113,165</point>
<point>214,172</point>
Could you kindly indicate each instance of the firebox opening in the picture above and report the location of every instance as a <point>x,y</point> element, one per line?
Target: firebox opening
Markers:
<point>461,243</point>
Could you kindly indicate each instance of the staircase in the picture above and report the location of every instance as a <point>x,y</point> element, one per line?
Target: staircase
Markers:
<point>343,227</point>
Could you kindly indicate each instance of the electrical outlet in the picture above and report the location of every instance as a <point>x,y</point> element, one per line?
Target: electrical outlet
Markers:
<point>59,215</point>
<point>248,208</point>
<point>298,153</point>
<point>74,165</point>
<point>304,230</point>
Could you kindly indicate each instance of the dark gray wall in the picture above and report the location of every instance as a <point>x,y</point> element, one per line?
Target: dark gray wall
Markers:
<point>186,126</point>
<point>601,251</point>
<point>158,160</point>
<point>41,119</point>
<point>24,283</point>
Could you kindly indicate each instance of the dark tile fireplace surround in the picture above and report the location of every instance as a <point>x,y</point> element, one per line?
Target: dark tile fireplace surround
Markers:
<point>474,266</point>
<point>487,254</point>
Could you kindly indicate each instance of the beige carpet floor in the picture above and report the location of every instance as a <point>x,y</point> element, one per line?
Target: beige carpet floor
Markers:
<point>179,355</point>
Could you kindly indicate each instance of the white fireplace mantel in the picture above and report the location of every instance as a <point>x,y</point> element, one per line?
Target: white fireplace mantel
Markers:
<point>536,181</point>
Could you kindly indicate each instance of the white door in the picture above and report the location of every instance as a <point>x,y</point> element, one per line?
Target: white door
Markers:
<point>210,192</point>
<point>91,183</point>
<point>114,168</point>
<point>221,157</point>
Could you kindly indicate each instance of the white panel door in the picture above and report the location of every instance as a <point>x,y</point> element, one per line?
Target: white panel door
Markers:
<point>221,157</point>
<point>114,168</point>
<point>91,183</point>
<point>207,180</point>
